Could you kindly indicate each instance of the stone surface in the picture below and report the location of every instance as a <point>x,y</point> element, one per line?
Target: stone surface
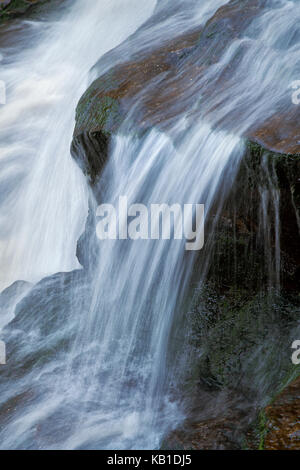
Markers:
<point>10,9</point>
<point>283,420</point>
<point>241,329</point>
<point>161,86</point>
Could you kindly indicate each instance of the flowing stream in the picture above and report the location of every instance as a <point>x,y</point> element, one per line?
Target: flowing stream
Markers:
<point>40,184</point>
<point>96,357</point>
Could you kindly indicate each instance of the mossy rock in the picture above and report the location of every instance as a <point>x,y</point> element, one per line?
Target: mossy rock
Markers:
<point>18,8</point>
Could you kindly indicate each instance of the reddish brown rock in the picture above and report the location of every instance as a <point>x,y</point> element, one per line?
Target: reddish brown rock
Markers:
<point>283,420</point>
<point>213,434</point>
<point>164,84</point>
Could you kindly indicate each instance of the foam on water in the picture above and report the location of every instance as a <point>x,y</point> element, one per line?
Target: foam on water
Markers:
<point>43,193</point>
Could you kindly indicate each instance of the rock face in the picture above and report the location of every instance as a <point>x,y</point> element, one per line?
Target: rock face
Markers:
<point>241,326</point>
<point>213,434</point>
<point>10,9</point>
<point>242,323</point>
<point>163,84</point>
<point>39,335</point>
<point>282,425</point>
<point>4,3</point>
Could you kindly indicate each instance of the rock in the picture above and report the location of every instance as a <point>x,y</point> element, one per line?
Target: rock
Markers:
<point>39,341</point>
<point>4,3</point>
<point>242,324</point>
<point>9,298</point>
<point>213,434</point>
<point>241,329</point>
<point>161,85</point>
<point>282,420</point>
<point>40,330</point>
<point>10,9</point>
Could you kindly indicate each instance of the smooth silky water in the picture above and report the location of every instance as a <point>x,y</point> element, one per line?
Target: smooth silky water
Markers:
<point>40,184</point>
<point>90,352</point>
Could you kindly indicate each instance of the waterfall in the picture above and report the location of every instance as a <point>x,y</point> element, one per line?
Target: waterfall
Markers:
<point>270,218</point>
<point>40,184</point>
<point>96,355</point>
<point>139,285</point>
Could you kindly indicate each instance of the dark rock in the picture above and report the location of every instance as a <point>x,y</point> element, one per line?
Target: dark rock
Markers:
<point>241,325</point>
<point>10,9</point>
<point>90,151</point>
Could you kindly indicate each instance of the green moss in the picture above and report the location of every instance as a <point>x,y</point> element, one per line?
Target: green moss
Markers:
<point>257,151</point>
<point>292,374</point>
<point>244,342</point>
<point>15,8</point>
<point>262,429</point>
<point>211,34</point>
<point>98,114</point>
<point>241,327</point>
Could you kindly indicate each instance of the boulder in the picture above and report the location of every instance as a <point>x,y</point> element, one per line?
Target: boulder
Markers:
<point>10,9</point>
<point>159,86</point>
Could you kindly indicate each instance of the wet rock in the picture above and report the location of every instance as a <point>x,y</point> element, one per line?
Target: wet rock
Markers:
<point>38,331</point>
<point>213,434</point>
<point>9,298</point>
<point>282,420</point>
<point>4,3</point>
<point>90,151</point>
<point>241,326</point>
<point>219,420</point>
<point>163,85</point>
<point>17,289</point>
<point>87,250</point>
<point>40,335</point>
<point>10,9</point>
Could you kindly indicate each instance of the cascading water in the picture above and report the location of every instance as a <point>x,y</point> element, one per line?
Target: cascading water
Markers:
<point>130,319</point>
<point>40,184</point>
<point>90,351</point>
<point>270,196</point>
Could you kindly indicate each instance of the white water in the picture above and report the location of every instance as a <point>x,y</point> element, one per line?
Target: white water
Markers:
<point>109,343</point>
<point>43,193</point>
<point>116,387</point>
<point>134,306</point>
